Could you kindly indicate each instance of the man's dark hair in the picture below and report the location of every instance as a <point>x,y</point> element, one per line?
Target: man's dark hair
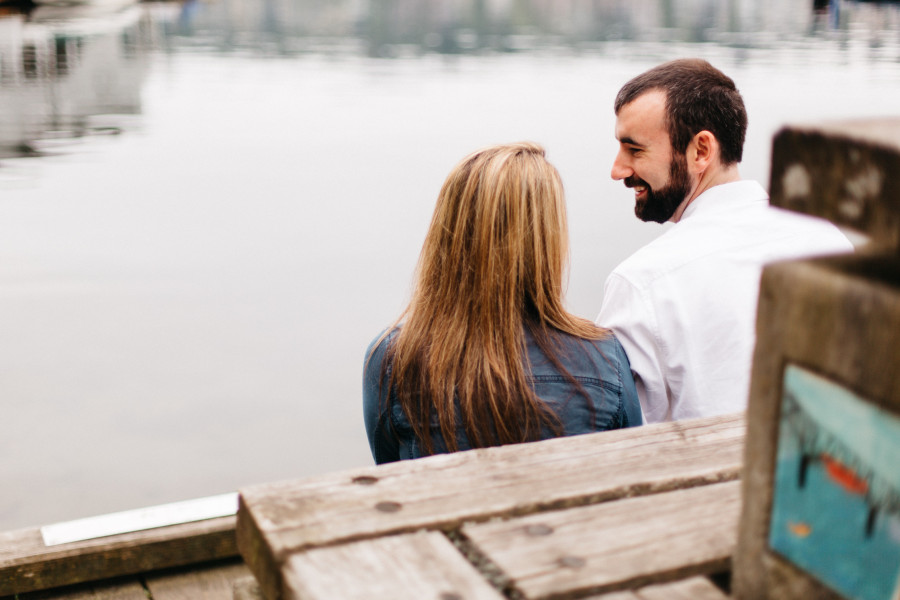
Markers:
<point>698,97</point>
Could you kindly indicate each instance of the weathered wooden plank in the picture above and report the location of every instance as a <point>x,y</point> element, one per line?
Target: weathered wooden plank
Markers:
<point>118,590</point>
<point>615,545</point>
<point>440,492</point>
<point>692,588</point>
<point>246,588</point>
<point>418,566</point>
<point>215,582</point>
<point>623,595</point>
<point>26,564</point>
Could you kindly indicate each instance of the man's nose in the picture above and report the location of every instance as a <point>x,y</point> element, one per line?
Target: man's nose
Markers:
<point>621,168</point>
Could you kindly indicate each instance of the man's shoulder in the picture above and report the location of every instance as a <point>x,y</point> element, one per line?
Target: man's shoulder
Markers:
<point>742,208</point>
<point>808,223</point>
<point>780,234</point>
<point>705,217</point>
<point>658,256</point>
<point>732,223</point>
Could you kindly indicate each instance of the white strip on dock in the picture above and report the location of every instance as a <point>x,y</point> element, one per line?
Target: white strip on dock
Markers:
<point>140,519</point>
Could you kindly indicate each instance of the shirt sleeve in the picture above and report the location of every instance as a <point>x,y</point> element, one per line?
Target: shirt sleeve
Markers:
<point>631,317</point>
<point>376,408</point>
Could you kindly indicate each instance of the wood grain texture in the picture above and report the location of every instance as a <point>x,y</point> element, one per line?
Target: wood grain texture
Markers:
<point>692,588</point>
<point>418,566</point>
<point>623,595</point>
<point>441,492</point>
<point>859,299</point>
<point>215,582</point>
<point>615,545</point>
<point>27,565</point>
<point>118,590</point>
<point>246,588</point>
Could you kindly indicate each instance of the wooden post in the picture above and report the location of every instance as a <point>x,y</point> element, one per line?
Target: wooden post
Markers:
<point>821,483</point>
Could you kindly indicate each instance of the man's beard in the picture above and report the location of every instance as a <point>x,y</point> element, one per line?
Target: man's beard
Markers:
<point>659,205</point>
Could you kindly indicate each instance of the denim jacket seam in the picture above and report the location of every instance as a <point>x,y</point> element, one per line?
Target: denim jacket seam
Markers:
<point>621,415</point>
<point>380,430</point>
<point>592,381</point>
<point>621,361</point>
<point>388,411</point>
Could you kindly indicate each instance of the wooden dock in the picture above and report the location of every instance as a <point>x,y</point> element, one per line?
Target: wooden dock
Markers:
<point>196,561</point>
<point>208,581</point>
<point>619,513</point>
<point>648,513</point>
<point>643,513</point>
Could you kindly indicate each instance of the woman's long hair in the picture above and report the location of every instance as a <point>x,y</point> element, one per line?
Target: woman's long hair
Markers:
<point>492,264</point>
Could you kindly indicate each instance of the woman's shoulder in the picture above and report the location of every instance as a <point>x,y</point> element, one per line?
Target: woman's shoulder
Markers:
<point>603,356</point>
<point>382,341</point>
<point>606,343</point>
<point>609,345</point>
<point>376,353</point>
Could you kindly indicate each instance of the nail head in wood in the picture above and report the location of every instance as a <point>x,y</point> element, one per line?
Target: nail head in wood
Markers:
<point>365,480</point>
<point>388,507</point>
<point>539,529</point>
<point>572,562</point>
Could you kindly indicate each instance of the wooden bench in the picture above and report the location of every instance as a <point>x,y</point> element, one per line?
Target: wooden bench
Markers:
<point>566,518</point>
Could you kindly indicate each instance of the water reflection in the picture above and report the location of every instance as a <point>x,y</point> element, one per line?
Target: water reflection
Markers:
<point>184,306</point>
<point>63,66</point>
<point>390,28</point>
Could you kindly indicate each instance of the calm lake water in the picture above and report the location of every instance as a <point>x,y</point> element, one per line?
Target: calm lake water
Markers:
<point>208,209</point>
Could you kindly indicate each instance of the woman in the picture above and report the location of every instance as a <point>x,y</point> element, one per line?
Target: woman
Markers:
<point>486,355</point>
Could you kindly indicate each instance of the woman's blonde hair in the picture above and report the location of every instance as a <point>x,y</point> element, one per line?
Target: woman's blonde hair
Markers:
<point>492,265</point>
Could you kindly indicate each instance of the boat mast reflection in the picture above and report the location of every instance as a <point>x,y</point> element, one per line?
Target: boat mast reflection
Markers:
<point>63,67</point>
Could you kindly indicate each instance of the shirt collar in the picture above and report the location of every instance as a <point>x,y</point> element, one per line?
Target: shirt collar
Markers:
<point>727,196</point>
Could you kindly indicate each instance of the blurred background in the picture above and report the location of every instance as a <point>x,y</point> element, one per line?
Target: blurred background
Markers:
<point>209,208</point>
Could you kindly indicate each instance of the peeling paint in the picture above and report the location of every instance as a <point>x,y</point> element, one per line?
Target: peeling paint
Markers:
<point>867,184</point>
<point>796,182</point>
<point>851,209</point>
<point>859,190</point>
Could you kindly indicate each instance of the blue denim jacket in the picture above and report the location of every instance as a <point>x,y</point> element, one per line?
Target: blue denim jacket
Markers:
<point>601,368</point>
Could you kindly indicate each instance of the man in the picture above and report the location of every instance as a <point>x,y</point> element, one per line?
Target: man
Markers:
<point>684,306</point>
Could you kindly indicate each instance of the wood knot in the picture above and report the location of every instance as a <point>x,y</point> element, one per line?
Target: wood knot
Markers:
<point>388,507</point>
<point>365,480</point>
<point>539,529</point>
<point>572,562</point>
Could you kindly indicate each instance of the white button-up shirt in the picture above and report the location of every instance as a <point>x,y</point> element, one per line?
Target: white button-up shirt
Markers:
<point>684,305</point>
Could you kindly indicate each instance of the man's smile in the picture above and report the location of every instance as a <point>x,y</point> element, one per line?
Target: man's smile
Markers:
<point>639,186</point>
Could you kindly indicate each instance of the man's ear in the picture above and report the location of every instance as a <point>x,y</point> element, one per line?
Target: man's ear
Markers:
<point>702,151</point>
